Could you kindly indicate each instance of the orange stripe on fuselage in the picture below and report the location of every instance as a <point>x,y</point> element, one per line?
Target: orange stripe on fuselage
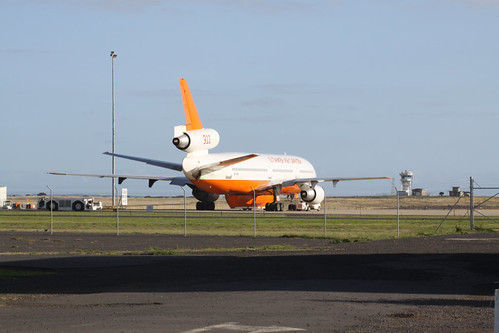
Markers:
<point>246,200</point>
<point>229,186</point>
<point>193,122</point>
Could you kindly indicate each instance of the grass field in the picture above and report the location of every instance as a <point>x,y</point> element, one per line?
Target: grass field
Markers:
<point>333,203</point>
<point>337,227</point>
<point>361,223</point>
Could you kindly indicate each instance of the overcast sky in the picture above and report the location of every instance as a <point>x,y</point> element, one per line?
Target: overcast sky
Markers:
<point>358,88</point>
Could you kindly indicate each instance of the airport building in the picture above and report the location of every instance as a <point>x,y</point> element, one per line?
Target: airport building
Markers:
<point>406,181</point>
<point>418,192</point>
<point>3,195</point>
<point>406,178</point>
<point>456,192</point>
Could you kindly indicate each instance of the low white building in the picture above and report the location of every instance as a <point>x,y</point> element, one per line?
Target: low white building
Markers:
<point>3,195</point>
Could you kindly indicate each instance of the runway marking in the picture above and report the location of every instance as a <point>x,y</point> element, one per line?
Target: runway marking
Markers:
<point>245,328</point>
<point>473,239</point>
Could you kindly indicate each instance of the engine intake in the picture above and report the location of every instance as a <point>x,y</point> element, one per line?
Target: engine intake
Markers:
<point>313,195</point>
<point>182,142</point>
<point>195,140</point>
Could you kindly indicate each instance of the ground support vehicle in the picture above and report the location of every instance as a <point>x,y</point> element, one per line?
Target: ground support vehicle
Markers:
<point>304,206</point>
<point>75,204</point>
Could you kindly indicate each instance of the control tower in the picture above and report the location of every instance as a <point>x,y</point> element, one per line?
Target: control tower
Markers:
<point>406,181</point>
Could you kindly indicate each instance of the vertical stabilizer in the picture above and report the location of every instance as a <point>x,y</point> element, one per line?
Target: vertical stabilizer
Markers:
<point>191,114</point>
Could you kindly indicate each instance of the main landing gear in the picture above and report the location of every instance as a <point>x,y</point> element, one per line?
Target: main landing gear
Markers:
<point>203,205</point>
<point>274,207</point>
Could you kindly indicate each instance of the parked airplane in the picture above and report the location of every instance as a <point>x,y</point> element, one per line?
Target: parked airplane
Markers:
<point>245,179</point>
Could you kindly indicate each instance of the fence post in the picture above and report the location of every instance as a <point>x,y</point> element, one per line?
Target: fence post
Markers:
<point>398,213</point>
<point>51,212</point>
<point>117,214</point>
<point>496,312</point>
<point>325,215</point>
<point>472,212</point>
<point>185,214</point>
<point>254,212</point>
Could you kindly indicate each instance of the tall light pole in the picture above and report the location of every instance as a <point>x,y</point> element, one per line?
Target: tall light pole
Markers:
<point>113,55</point>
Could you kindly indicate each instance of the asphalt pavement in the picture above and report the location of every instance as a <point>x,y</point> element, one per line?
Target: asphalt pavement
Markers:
<point>427,284</point>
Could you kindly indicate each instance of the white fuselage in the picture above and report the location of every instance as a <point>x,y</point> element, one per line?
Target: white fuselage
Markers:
<point>243,176</point>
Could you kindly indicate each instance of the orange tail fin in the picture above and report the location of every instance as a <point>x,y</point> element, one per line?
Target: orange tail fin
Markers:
<point>191,114</point>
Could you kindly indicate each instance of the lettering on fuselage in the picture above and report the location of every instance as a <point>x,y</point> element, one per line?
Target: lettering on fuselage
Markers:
<point>284,160</point>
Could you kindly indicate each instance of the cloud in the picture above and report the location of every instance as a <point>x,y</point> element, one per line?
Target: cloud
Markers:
<point>126,6</point>
<point>138,6</point>
<point>21,51</point>
<point>286,88</point>
<point>153,93</point>
<point>262,102</point>
<point>480,2</point>
<point>278,6</point>
<point>450,114</point>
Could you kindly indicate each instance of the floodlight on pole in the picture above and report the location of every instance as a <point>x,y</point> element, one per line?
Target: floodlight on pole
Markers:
<point>113,55</point>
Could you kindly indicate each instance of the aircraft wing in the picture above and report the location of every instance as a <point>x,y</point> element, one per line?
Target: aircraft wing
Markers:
<point>179,181</point>
<point>280,184</point>
<point>321,180</point>
<point>162,164</point>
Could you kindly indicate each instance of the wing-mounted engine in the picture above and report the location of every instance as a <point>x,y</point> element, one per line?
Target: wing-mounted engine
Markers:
<point>195,140</point>
<point>312,195</point>
<point>204,196</point>
<point>206,200</point>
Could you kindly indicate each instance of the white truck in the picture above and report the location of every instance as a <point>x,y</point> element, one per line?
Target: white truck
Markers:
<point>76,204</point>
<point>302,206</point>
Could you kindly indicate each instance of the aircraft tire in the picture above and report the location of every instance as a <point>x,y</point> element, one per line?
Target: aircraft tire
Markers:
<point>54,205</point>
<point>274,207</point>
<point>202,205</point>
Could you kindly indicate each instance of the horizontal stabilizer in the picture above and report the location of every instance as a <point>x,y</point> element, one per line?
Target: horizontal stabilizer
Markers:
<point>162,164</point>
<point>197,172</point>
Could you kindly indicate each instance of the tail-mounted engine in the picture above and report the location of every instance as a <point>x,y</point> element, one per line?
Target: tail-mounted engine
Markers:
<point>195,140</point>
<point>313,195</point>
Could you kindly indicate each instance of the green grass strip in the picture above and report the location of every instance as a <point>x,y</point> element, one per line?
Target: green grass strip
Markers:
<point>9,274</point>
<point>338,227</point>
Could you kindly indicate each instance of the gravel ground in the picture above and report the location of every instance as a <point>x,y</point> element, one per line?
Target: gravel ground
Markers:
<point>428,284</point>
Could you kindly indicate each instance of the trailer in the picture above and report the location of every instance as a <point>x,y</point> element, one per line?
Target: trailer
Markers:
<point>74,204</point>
